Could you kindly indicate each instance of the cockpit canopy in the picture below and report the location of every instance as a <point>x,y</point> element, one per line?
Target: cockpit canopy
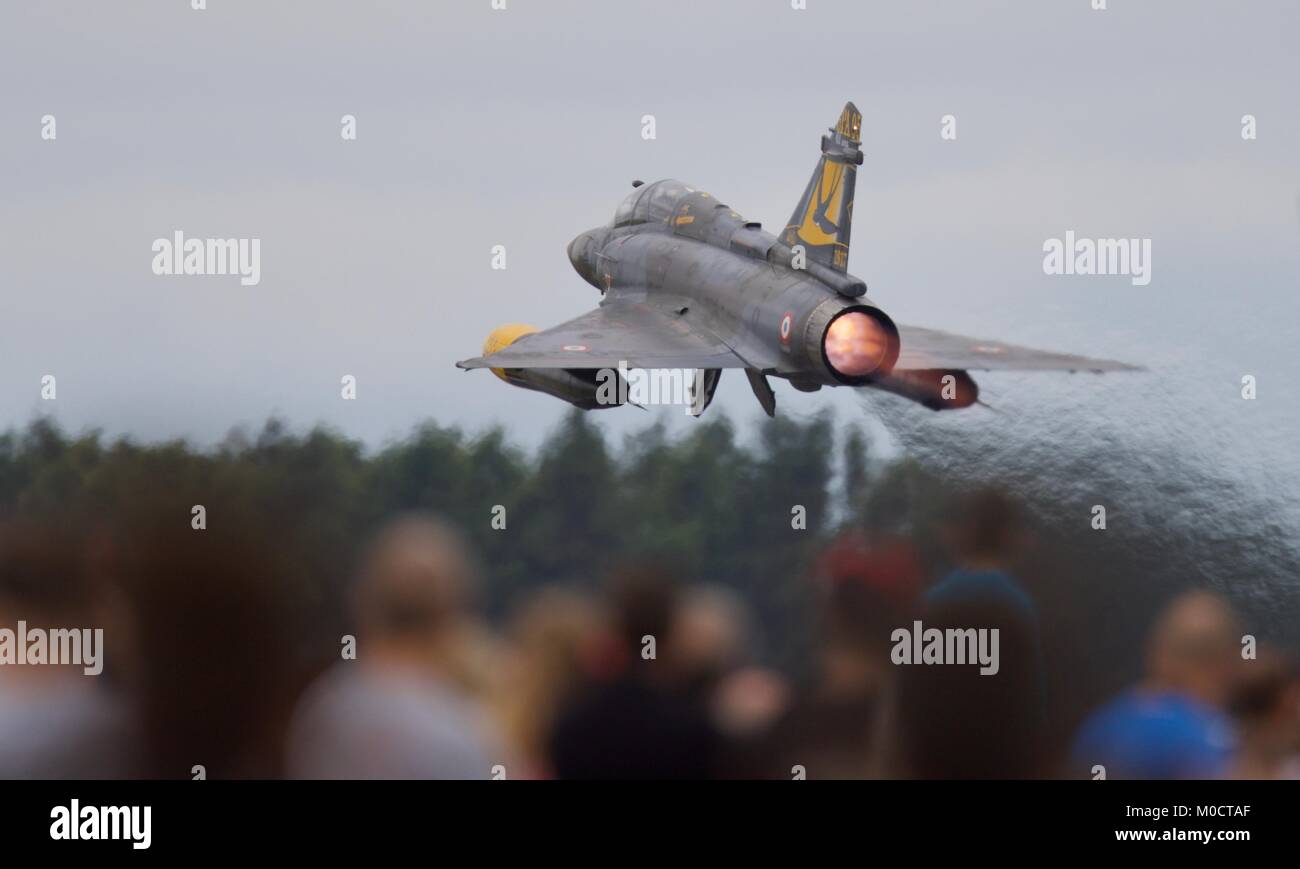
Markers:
<point>652,203</point>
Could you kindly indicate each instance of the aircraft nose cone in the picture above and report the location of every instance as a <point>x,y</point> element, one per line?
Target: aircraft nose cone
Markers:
<point>582,254</point>
<point>578,251</point>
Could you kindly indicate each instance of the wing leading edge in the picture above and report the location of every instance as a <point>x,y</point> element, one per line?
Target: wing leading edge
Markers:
<point>617,332</point>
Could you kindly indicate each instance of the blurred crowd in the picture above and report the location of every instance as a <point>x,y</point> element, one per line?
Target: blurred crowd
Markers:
<point>651,677</point>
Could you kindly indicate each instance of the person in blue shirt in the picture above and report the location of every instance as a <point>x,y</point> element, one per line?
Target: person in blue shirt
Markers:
<point>1172,724</point>
<point>985,540</point>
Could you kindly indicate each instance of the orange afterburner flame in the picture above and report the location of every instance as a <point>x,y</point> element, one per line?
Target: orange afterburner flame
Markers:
<point>856,344</point>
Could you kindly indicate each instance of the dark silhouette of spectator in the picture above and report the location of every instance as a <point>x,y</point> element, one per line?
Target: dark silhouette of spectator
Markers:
<point>638,720</point>
<point>832,728</point>
<point>1266,708</point>
<point>713,651</point>
<point>212,627</point>
<point>952,720</point>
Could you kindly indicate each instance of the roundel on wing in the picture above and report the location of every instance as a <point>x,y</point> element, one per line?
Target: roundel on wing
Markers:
<point>787,322</point>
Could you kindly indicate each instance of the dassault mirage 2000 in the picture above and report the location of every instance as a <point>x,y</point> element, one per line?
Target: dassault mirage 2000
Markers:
<point>690,284</point>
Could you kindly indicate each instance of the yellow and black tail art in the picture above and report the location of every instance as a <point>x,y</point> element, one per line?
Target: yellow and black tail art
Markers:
<point>823,216</point>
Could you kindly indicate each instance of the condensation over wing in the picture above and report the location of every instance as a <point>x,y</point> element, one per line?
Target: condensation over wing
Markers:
<point>618,331</point>
<point>930,348</point>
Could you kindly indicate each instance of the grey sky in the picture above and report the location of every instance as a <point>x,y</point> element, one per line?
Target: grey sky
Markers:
<point>522,128</point>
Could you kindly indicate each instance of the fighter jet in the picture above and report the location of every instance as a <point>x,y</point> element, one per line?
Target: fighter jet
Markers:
<point>688,283</point>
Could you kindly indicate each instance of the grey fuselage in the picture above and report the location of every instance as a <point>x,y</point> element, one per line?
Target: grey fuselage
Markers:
<point>681,251</point>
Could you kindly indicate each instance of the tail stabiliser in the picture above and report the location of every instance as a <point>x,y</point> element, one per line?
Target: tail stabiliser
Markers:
<point>822,219</point>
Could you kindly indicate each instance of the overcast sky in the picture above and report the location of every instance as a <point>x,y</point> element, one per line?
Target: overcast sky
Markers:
<point>522,128</point>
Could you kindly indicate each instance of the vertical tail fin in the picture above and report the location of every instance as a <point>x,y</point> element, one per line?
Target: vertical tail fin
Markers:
<point>823,216</point>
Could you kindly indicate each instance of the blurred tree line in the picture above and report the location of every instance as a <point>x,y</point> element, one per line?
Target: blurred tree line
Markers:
<point>704,506</point>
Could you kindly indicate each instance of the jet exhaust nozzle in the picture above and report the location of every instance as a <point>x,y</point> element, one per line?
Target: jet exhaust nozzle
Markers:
<point>853,344</point>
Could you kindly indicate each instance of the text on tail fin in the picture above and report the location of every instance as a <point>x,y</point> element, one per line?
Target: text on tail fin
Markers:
<point>822,219</point>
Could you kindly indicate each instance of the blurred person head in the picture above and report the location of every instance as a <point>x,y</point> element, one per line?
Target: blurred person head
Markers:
<point>1265,704</point>
<point>59,718</point>
<point>1194,648</point>
<point>987,531</point>
<point>409,705</point>
<point>551,639</point>
<point>42,569</point>
<point>870,588</point>
<point>44,580</point>
<point>416,580</point>
<point>413,599</point>
<point>214,629</point>
<point>644,603</point>
<point>889,566</point>
<point>711,636</point>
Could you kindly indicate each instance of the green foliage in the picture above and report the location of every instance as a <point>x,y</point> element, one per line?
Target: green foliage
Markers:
<point>704,504</point>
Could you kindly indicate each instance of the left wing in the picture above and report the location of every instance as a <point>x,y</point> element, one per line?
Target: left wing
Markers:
<point>932,349</point>
<point>618,331</point>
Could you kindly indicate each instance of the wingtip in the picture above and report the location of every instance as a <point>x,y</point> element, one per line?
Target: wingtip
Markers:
<point>1113,365</point>
<point>1106,366</point>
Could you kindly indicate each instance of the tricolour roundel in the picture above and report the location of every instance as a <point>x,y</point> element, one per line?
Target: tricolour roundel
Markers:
<point>786,323</point>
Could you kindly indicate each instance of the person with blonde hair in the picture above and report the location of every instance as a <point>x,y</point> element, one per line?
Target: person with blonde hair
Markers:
<point>406,706</point>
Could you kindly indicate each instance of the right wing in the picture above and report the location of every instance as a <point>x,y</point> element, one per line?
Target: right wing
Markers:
<point>932,349</point>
